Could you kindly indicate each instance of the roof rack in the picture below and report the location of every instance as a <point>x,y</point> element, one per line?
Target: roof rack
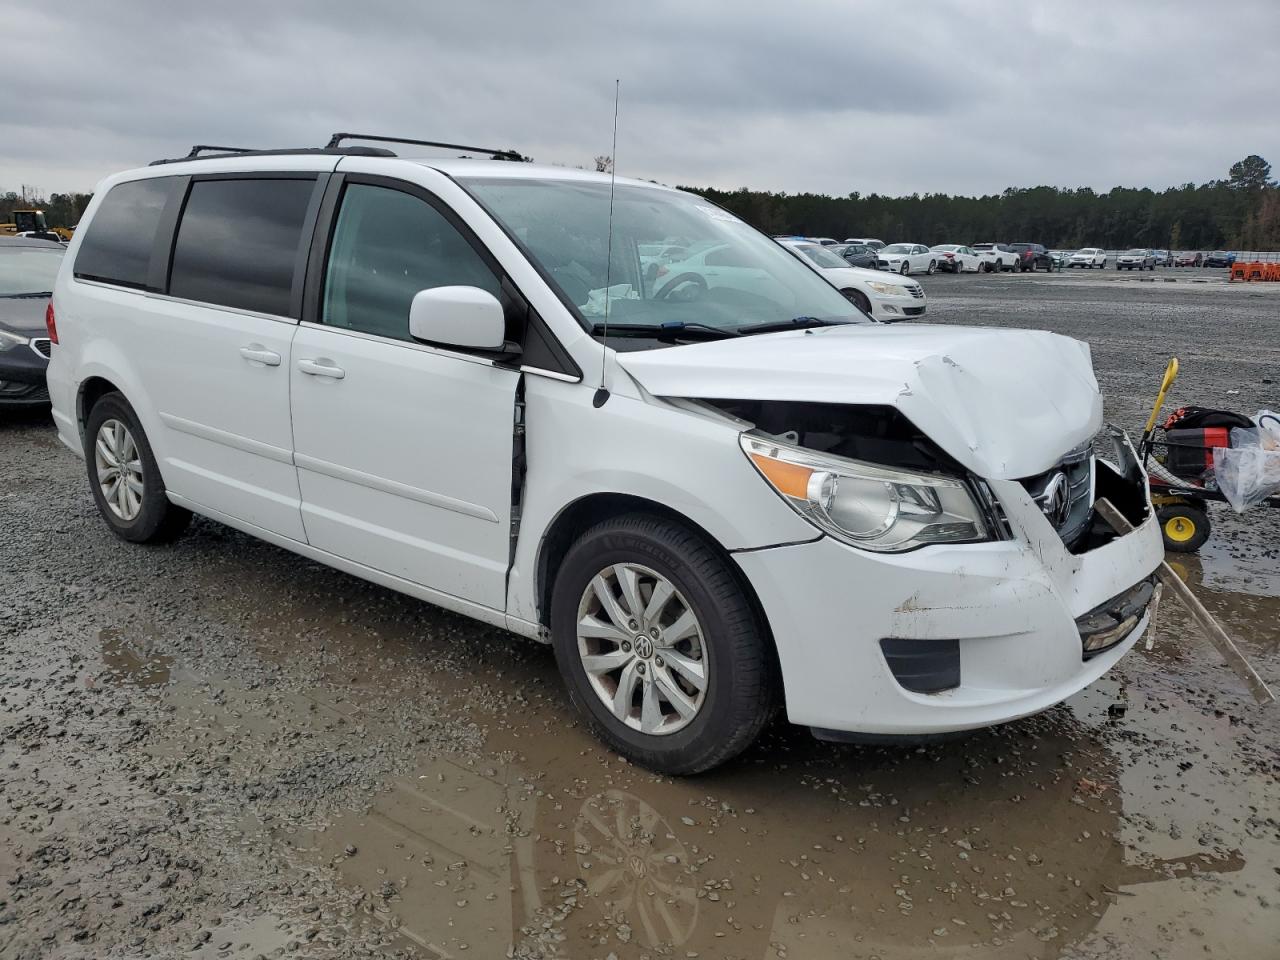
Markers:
<point>337,139</point>
<point>205,151</point>
<point>293,151</point>
<point>200,148</point>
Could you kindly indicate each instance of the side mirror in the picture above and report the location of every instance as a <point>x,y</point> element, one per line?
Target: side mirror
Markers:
<point>466,317</point>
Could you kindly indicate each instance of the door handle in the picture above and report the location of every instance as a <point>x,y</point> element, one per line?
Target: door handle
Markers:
<point>321,368</point>
<point>260,354</point>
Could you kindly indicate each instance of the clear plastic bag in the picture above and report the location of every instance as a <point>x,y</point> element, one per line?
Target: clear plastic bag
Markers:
<point>1249,471</point>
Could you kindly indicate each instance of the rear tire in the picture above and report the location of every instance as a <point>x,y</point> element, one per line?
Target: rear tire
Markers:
<point>120,463</point>
<point>737,698</point>
<point>933,267</point>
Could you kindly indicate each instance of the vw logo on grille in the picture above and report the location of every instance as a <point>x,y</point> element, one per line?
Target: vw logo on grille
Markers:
<point>1055,502</point>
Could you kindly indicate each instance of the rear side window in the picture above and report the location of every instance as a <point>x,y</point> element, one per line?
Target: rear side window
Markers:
<point>238,242</point>
<point>117,245</point>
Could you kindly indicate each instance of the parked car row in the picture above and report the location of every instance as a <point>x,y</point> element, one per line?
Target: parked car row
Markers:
<point>990,257</point>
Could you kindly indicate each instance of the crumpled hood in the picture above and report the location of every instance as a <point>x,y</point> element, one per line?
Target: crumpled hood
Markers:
<point>1006,404</point>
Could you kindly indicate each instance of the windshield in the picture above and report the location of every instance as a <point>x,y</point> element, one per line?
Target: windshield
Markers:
<point>945,248</point>
<point>822,256</point>
<point>1135,253</point>
<point>28,270</point>
<point>896,248</point>
<point>728,278</point>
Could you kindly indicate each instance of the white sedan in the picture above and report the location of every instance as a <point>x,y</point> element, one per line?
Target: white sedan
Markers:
<point>957,258</point>
<point>882,296</point>
<point>907,258</point>
<point>1088,258</point>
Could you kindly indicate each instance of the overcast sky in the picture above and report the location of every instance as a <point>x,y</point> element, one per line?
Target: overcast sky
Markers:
<point>888,96</point>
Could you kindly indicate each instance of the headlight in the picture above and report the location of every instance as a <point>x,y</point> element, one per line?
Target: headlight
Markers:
<point>868,506</point>
<point>10,340</point>
<point>887,289</point>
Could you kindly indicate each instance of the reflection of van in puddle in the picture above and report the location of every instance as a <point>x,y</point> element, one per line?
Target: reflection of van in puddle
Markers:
<point>462,380</point>
<point>457,854</point>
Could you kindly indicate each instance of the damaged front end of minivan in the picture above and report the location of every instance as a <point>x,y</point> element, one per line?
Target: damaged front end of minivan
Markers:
<point>963,576</point>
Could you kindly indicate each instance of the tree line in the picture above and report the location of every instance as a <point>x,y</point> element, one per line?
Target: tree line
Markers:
<point>60,209</point>
<point>1241,212</point>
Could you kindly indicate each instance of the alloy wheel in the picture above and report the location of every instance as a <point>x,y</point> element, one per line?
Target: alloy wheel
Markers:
<point>119,469</point>
<point>642,649</point>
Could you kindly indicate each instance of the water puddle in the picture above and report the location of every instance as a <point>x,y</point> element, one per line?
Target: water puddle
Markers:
<point>1062,835</point>
<point>127,660</point>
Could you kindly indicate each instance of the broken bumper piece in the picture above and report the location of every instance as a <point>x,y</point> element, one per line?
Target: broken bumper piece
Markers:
<point>1108,624</point>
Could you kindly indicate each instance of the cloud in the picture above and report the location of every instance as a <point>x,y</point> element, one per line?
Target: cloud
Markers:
<point>823,96</point>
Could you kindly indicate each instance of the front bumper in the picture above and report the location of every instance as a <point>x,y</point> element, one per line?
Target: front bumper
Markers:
<point>1011,607</point>
<point>22,377</point>
<point>889,309</point>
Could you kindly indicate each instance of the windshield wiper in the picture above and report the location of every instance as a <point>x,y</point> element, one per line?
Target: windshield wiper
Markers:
<point>671,330</point>
<point>26,296</point>
<point>795,323</point>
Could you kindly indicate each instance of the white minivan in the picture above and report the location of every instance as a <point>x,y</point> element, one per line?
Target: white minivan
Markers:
<point>461,379</point>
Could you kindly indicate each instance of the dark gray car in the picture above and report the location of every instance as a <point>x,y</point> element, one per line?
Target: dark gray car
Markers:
<point>27,271</point>
<point>857,254</point>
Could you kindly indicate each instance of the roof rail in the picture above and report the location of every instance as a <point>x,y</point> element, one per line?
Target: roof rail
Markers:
<point>337,138</point>
<point>200,148</point>
<point>194,155</point>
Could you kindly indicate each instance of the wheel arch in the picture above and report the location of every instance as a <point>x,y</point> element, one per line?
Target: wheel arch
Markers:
<point>90,391</point>
<point>585,512</point>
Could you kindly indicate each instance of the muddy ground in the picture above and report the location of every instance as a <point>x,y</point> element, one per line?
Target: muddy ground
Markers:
<point>217,749</point>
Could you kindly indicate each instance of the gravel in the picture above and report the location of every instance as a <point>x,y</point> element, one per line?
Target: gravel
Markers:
<point>217,749</point>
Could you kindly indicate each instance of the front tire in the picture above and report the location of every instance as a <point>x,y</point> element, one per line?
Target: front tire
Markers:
<point>125,478</point>
<point>660,648</point>
<point>906,268</point>
<point>858,299</point>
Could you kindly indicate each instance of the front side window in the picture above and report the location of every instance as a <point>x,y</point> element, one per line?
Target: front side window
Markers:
<point>387,246</point>
<point>238,243</point>
<point>117,244</point>
<point>727,278</point>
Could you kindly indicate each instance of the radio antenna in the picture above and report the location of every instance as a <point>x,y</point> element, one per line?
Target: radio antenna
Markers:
<point>602,392</point>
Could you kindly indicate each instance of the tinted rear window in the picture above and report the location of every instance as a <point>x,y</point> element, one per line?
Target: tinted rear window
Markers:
<point>117,245</point>
<point>238,243</point>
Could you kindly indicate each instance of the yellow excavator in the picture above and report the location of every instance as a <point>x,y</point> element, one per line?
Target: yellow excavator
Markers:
<point>25,221</point>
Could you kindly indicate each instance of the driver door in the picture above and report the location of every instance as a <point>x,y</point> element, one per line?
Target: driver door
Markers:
<point>403,450</point>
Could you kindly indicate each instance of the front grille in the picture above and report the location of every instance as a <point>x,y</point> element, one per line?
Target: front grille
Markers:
<point>916,291</point>
<point>1064,493</point>
<point>912,311</point>
<point>42,346</point>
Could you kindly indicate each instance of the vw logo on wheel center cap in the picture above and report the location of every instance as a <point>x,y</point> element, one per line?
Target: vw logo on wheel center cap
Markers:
<point>643,647</point>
